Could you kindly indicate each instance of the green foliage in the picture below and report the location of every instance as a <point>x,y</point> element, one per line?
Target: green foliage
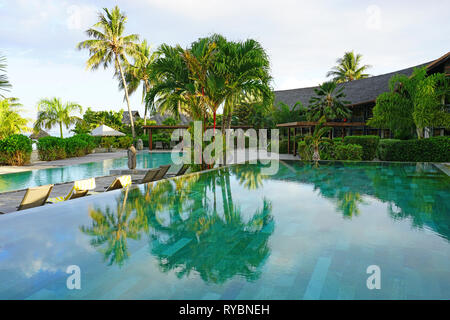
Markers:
<point>15,150</point>
<point>4,83</point>
<point>413,102</point>
<point>10,120</point>
<point>92,142</point>
<point>93,119</point>
<point>75,146</point>
<point>53,112</point>
<point>108,142</point>
<point>385,149</point>
<point>435,149</point>
<point>328,101</point>
<point>125,142</point>
<point>348,152</point>
<point>348,68</point>
<point>51,148</point>
<point>368,143</point>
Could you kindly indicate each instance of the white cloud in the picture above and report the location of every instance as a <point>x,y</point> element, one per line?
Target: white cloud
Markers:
<point>80,16</point>
<point>373,17</point>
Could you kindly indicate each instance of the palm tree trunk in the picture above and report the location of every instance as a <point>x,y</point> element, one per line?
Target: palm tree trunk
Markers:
<point>147,89</point>
<point>60,129</point>
<point>126,96</point>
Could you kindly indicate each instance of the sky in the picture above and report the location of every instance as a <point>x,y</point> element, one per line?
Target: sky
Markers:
<point>302,38</point>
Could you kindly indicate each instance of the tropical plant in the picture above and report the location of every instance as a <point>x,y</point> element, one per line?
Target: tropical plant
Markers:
<point>4,83</point>
<point>328,102</point>
<point>140,72</point>
<point>109,45</point>
<point>314,141</point>
<point>15,150</point>
<point>10,120</point>
<point>53,112</point>
<point>348,68</point>
<point>415,102</point>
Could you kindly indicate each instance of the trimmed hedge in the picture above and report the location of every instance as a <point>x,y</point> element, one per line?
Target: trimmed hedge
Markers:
<point>15,150</point>
<point>368,143</point>
<point>51,148</point>
<point>348,152</point>
<point>75,147</point>
<point>435,149</point>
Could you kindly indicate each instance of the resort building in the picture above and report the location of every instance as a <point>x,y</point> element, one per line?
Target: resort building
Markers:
<point>362,94</point>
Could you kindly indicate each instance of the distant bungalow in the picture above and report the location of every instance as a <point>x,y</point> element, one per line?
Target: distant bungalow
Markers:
<point>362,95</point>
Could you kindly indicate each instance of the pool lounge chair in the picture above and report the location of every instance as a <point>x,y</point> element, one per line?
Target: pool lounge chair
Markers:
<point>162,172</point>
<point>149,176</point>
<point>119,183</point>
<point>35,197</point>
<point>80,189</point>
<point>182,170</point>
<point>158,145</point>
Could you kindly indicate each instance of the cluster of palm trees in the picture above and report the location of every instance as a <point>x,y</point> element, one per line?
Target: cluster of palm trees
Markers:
<point>196,81</point>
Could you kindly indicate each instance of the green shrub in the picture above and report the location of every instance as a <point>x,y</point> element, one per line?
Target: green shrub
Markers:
<point>124,142</point>
<point>369,145</point>
<point>385,149</point>
<point>108,142</point>
<point>435,149</point>
<point>75,147</point>
<point>91,141</point>
<point>51,148</point>
<point>305,151</point>
<point>15,150</point>
<point>348,152</point>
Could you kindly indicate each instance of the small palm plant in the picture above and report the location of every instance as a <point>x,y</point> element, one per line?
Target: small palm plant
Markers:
<point>314,141</point>
<point>348,68</point>
<point>109,45</point>
<point>53,112</point>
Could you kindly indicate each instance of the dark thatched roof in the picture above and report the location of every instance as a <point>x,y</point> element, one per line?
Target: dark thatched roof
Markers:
<point>158,118</point>
<point>38,135</point>
<point>126,116</point>
<point>357,91</point>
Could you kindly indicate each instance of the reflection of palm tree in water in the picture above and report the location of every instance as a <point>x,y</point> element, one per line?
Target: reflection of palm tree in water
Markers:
<point>187,233</point>
<point>347,203</point>
<point>111,228</point>
<point>249,175</point>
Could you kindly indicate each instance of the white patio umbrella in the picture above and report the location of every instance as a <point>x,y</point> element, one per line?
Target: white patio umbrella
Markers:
<point>105,131</point>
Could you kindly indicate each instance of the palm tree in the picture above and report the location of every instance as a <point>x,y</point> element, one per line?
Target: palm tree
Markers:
<point>313,142</point>
<point>246,69</point>
<point>10,120</point>
<point>348,68</point>
<point>4,83</point>
<point>110,45</point>
<point>329,102</point>
<point>53,112</point>
<point>140,71</point>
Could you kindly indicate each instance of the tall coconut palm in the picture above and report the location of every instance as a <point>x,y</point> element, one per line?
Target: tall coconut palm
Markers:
<point>10,120</point>
<point>246,69</point>
<point>329,102</point>
<point>53,112</point>
<point>109,45</point>
<point>140,72</point>
<point>348,68</point>
<point>4,83</point>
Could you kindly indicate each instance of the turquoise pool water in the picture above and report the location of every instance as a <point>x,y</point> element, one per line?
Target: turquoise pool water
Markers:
<point>33,178</point>
<point>305,233</point>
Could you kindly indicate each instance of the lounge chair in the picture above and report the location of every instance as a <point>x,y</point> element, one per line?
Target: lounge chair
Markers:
<point>162,172</point>
<point>182,170</point>
<point>158,145</point>
<point>80,189</point>
<point>35,197</point>
<point>149,176</point>
<point>119,183</point>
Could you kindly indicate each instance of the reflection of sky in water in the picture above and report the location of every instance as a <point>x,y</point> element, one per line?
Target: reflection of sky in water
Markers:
<point>315,240</point>
<point>23,180</point>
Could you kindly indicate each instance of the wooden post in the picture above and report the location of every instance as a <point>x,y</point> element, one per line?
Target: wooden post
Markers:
<point>295,144</point>
<point>289,140</point>
<point>150,139</point>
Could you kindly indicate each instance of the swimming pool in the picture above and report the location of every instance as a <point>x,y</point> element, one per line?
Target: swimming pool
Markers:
<point>33,178</point>
<point>305,233</point>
